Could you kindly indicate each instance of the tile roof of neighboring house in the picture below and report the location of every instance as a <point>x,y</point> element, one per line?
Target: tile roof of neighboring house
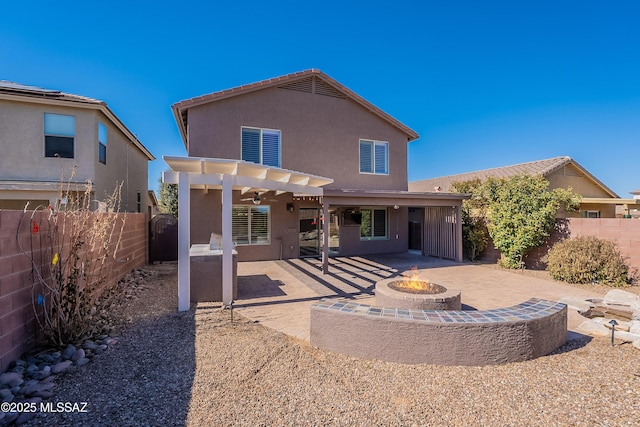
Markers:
<point>48,96</point>
<point>180,108</point>
<point>538,167</point>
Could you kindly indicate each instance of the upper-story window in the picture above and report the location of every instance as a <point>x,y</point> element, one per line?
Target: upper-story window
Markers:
<point>261,146</point>
<point>59,133</point>
<point>102,143</point>
<point>374,157</point>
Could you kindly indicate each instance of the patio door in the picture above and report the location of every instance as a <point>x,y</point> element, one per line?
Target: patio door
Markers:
<point>310,232</point>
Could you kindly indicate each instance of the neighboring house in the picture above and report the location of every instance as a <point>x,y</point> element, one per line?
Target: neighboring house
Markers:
<point>154,208</point>
<point>598,201</point>
<point>45,133</point>
<point>310,123</point>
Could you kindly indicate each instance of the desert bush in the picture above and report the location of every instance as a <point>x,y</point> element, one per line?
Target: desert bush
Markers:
<point>587,259</point>
<point>72,250</point>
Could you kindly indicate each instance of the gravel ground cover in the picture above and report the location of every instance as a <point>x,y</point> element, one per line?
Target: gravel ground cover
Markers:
<point>200,369</point>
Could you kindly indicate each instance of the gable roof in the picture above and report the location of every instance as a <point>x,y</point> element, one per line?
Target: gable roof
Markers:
<point>24,93</point>
<point>296,81</point>
<point>538,167</point>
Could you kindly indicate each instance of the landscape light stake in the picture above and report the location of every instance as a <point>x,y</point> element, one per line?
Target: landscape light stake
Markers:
<point>613,324</point>
<point>231,308</point>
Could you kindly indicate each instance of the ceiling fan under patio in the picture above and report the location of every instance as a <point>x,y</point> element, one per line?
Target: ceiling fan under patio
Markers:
<point>258,198</point>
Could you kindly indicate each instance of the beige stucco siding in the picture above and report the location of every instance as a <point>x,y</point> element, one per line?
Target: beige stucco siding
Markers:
<point>569,176</point>
<point>125,164</point>
<point>319,134</point>
<point>22,142</point>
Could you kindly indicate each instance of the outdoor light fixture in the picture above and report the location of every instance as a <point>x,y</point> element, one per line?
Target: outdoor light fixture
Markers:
<point>396,207</point>
<point>290,207</point>
<point>256,199</point>
<point>613,324</point>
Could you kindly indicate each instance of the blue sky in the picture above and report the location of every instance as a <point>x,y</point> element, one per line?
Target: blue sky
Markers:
<point>484,83</point>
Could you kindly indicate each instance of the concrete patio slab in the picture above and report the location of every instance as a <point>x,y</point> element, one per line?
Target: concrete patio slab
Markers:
<point>279,294</point>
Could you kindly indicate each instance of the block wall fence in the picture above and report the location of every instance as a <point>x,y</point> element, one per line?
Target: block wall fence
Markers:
<point>624,231</point>
<point>18,327</point>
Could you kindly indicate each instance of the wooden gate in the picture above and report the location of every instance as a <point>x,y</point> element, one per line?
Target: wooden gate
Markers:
<point>163,238</point>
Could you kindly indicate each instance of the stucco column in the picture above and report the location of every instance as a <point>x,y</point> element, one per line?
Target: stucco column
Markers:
<point>227,240</point>
<point>184,242</point>
<point>325,237</point>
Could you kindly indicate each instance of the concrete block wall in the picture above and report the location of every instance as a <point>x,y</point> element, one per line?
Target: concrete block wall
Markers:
<point>18,327</point>
<point>624,231</point>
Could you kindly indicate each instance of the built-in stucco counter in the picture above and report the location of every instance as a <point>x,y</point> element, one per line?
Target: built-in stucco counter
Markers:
<point>206,273</point>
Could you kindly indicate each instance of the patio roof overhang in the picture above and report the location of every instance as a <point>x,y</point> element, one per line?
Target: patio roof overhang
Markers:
<point>392,197</point>
<point>208,173</point>
<point>228,175</point>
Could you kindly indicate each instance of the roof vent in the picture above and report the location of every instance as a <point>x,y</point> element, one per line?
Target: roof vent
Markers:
<point>304,85</point>
<point>322,88</point>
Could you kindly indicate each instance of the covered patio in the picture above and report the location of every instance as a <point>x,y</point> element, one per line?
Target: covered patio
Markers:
<point>439,214</point>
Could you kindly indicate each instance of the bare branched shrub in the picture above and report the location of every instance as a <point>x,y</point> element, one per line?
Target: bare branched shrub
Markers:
<point>73,262</point>
<point>587,259</point>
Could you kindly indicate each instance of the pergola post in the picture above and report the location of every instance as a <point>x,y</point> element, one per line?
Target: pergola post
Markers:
<point>325,237</point>
<point>184,242</point>
<point>227,240</point>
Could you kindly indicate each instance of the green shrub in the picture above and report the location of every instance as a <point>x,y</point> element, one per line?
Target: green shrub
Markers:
<point>587,259</point>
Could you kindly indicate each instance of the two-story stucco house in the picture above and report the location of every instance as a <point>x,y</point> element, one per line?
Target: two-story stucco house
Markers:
<point>298,132</point>
<point>45,134</point>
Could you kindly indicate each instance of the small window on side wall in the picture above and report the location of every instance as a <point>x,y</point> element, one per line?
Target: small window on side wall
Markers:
<point>102,143</point>
<point>59,134</point>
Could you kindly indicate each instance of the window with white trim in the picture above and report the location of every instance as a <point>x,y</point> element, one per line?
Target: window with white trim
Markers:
<point>261,146</point>
<point>373,224</point>
<point>102,143</point>
<point>374,157</point>
<point>59,133</point>
<point>250,225</point>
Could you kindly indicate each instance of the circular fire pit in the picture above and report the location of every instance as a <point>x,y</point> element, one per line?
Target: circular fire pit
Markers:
<point>416,295</point>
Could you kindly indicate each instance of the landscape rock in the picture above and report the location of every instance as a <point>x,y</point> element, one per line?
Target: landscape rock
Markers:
<point>34,389</point>
<point>6,395</point>
<point>12,379</point>
<point>596,329</point>
<point>627,336</point>
<point>40,375</point>
<point>24,417</point>
<point>576,303</point>
<point>79,354</point>
<point>636,344</point>
<point>634,326</point>
<point>60,367</point>
<point>10,417</point>
<point>68,352</point>
<point>619,297</point>
<point>81,362</point>
<point>90,345</point>
<point>621,326</point>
